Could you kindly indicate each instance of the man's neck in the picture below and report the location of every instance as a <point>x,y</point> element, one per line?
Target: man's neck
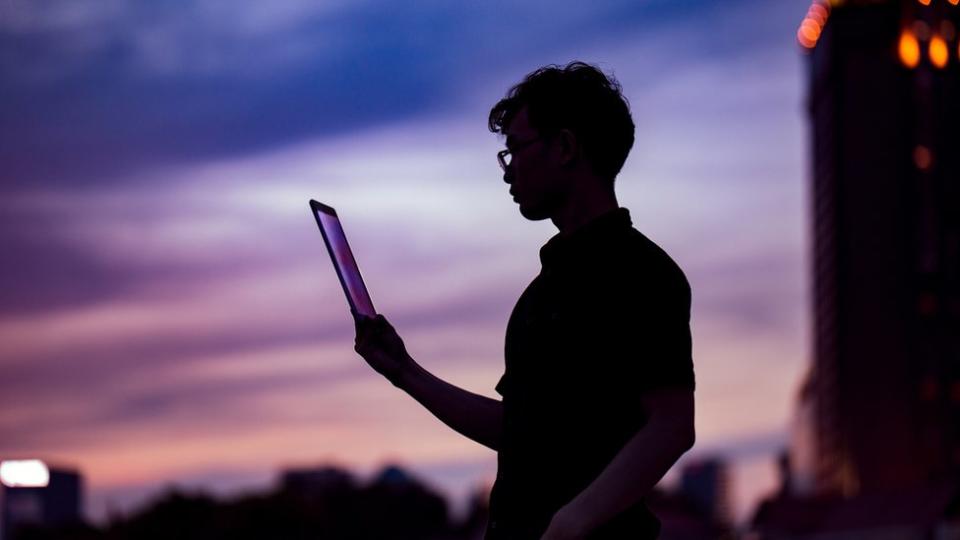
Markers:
<point>583,209</point>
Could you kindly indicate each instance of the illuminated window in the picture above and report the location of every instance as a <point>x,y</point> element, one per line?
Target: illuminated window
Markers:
<point>909,49</point>
<point>26,473</point>
<point>922,157</point>
<point>938,52</point>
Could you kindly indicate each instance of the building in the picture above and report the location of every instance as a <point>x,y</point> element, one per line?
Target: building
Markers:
<point>706,484</point>
<point>884,82</point>
<point>875,445</point>
<point>700,506</point>
<point>317,482</point>
<point>918,513</point>
<point>56,501</point>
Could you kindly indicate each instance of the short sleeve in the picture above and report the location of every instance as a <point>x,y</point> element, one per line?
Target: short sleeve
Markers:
<point>653,329</point>
<point>669,354</point>
<point>672,360</point>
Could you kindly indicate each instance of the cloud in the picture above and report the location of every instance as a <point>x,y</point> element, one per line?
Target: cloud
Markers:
<point>171,308</point>
<point>199,261</point>
<point>95,91</point>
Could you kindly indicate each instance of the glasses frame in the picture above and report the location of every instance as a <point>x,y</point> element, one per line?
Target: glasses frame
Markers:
<point>502,155</point>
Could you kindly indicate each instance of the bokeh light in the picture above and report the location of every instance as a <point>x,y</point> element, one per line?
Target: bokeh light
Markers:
<point>938,52</point>
<point>24,473</point>
<point>909,49</point>
<point>922,157</point>
<point>812,26</point>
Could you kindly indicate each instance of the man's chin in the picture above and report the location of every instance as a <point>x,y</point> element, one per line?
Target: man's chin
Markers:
<point>534,214</point>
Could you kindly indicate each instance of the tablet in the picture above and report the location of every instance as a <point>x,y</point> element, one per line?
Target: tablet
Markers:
<point>342,258</point>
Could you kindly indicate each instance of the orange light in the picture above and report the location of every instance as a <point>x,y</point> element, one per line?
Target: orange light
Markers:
<point>819,14</point>
<point>954,2</point>
<point>925,2</point>
<point>812,25</point>
<point>938,52</point>
<point>923,159</point>
<point>809,33</point>
<point>909,49</point>
<point>811,29</point>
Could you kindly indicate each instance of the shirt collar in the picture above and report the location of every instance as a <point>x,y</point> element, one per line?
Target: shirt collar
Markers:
<point>560,247</point>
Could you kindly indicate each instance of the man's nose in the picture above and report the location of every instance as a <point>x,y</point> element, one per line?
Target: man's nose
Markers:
<point>507,176</point>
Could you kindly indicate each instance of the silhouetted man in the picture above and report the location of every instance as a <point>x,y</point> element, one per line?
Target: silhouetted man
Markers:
<point>598,386</point>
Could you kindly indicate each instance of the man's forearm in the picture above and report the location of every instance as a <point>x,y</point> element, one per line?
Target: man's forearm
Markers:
<point>472,415</point>
<point>631,475</point>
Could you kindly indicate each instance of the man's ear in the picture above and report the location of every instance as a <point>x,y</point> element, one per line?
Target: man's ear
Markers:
<point>569,147</point>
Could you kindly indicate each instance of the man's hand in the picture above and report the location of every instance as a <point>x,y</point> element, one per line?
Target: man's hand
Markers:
<point>566,524</point>
<point>378,343</point>
<point>637,467</point>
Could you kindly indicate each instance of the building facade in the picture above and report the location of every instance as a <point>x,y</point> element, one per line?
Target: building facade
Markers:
<point>882,405</point>
<point>59,502</point>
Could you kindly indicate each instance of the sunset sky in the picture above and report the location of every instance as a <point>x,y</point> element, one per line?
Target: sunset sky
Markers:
<point>169,315</point>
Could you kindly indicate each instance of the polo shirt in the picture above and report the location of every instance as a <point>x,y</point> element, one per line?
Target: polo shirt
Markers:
<point>605,320</point>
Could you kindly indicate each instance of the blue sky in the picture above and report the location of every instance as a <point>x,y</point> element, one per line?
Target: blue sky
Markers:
<point>168,311</point>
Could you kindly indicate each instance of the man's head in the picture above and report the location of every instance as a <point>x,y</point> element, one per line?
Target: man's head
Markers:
<point>567,128</point>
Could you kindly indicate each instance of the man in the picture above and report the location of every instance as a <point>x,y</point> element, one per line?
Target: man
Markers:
<point>598,386</point>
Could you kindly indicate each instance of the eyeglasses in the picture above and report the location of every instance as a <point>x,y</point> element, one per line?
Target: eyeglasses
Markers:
<point>505,157</point>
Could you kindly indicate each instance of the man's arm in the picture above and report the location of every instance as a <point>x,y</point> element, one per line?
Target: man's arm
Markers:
<point>474,416</point>
<point>636,469</point>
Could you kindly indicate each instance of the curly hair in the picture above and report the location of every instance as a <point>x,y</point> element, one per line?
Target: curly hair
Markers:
<point>578,97</point>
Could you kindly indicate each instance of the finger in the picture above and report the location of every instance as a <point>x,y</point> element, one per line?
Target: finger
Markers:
<point>362,337</point>
<point>365,326</point>
<point>383,324</point>
<point>363,348</point>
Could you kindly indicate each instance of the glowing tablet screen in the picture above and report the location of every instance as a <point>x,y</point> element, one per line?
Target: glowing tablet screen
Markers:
<point>343,260</point>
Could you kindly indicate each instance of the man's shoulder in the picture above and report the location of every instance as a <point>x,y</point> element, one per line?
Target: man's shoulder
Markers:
<point>641,256</point>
